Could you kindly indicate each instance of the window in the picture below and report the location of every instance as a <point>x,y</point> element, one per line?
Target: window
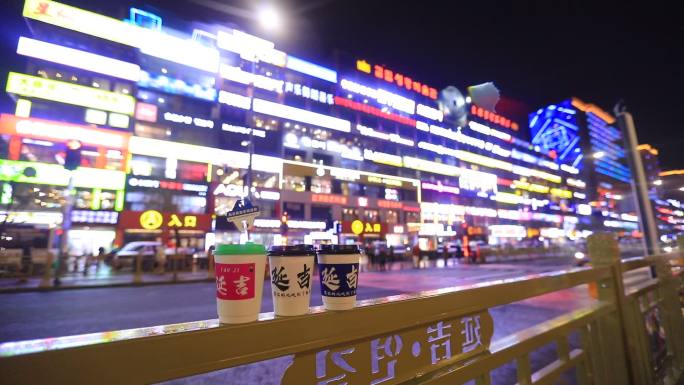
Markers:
<point>294,210</point>
<point>191,171</point>
<point>321,213</point>
<point>294,183</point>
<point>371,215</point>
<point>350,214</point>
<point>39,151</point>
<point>412,217</point>
<point>321,186</point>
<point>392,217</point>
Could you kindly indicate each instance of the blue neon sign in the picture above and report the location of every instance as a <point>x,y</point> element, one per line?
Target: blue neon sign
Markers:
<point>176,86</point>
<point>311,69</point>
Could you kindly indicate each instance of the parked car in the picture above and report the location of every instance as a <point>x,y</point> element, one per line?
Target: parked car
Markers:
<point>125,256</point>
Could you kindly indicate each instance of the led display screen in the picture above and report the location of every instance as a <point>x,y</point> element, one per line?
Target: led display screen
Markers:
<point>37,87</point>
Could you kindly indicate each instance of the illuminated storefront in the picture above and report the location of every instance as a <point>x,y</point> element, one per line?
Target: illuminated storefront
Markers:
<point>361,142</point>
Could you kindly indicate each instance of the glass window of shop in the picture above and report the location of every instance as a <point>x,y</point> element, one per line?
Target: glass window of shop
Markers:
<point>166,201</point>
<point>391,217</point>
<point>45,197</point>
<point>297,155</point>
<point>4,146</point>
<point>319,158</point>
<point>412,217</point>
<point>294,183</point>
<point>191,171</point>
<point>321,185</point>
<point>152,132</point>
<point>374,191</point>
<point>350,214</point>
<point>294,210</point>
<point>320,213</point>
<point>371,215</point>
<point>39,151</point>
<point>148,166</point>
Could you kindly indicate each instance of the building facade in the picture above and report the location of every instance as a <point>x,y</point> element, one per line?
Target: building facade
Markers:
<point>354,152</point>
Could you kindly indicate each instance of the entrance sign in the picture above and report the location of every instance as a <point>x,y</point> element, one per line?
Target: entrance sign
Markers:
<point>395,358</point>
<point>156,220</point>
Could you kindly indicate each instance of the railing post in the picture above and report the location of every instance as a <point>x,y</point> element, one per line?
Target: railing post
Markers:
<point>47,271</point>
<point>210,265</point>
<point>672,312</point>
<point>137,275</point>
<point>603,252</point>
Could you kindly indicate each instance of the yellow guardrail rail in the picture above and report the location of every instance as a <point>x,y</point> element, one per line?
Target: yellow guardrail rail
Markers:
<point>631,335</point>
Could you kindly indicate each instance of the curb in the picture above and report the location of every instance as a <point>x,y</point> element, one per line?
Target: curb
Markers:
<point>13,290</point>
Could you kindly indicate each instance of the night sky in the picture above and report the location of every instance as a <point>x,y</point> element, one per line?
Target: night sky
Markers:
<point>536,54</point>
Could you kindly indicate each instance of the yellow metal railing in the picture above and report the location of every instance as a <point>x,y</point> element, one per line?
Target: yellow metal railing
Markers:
<point>435,337</point>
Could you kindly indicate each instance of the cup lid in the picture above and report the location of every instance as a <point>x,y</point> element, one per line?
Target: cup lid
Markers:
<point>287,251</point>
<point>339,249</point>
<point>233,249</point>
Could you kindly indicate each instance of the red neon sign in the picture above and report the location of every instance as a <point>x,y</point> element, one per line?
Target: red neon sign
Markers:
<point>373,111</point>
<point>494,118</point>
<point>390,76</point>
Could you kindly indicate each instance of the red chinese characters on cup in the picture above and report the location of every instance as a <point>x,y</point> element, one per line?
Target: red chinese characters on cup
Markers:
<point>235,281</point>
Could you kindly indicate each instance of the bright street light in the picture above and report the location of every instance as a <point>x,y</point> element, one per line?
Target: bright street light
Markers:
<point>599,154</point>
<point>269,18</point>
<point>658,182</point>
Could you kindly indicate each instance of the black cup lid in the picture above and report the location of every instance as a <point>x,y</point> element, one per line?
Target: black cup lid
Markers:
<point>288,251</point>
<point>339,249</point>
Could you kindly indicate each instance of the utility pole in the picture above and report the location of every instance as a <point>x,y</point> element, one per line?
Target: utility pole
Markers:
<point>638,181</point>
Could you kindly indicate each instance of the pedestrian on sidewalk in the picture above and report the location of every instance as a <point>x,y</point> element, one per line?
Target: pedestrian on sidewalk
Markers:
<point>415,254</point>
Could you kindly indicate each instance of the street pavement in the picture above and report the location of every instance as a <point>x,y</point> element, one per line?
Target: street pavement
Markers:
<point>34,315</point>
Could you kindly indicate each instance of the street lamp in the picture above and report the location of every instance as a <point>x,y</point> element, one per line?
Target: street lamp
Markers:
<point>599,154</point>
<point>269,18</point>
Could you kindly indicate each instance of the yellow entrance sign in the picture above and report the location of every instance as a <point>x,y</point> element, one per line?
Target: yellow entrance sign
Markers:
<point>151,220</point>
<point>357,227</point>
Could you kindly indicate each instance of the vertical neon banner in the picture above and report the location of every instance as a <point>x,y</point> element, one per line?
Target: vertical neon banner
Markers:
<point>97,199</point>
<point>119,202</point>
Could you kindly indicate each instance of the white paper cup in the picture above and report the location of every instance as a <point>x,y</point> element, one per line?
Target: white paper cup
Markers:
<point>239,281</point>
<point>338,267</point>
<point>291,269</point>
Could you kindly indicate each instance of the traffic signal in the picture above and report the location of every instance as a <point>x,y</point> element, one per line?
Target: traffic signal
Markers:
<point>72,158</point>
<point>283,223</point>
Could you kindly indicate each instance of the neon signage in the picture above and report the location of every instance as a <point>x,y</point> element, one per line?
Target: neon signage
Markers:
<point>146,112</point>
<point>189,120</point>
<point>37,87</point>
<point>430,166</point>
<point>441,188</point>
<point>493,118</point>
<point>237,75</point>
<point>298,114</point>
<point>208,155</point>
<point>354,153</point>
<point>155,220</point>
<point>381,157</point>
<point>394,138</point>
<point>477,181</point>
<point>482,129</point>
<point>250,47</point>
<point>381,96</point>
<point>293,224</point>
<point>396,78</point>
<point>429,112</point>
<point>309,93</point>
<point>94,217</point>
<point>243,130</point>
<point>83,21</point>
<point>311,69</point>
<point>507,231</point>
<point>181,51</point>
<point>344,102</point>
<point>236,191</point>
<point>167,185</point>
<point>57,175</point>
<point>78,59</point>
<point>46,129</point>
<point>176,86</point>
<point>235,100</point>
<point>329,198</point>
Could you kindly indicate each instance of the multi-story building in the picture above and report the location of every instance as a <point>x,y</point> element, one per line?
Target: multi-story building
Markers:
<point>354,152</point>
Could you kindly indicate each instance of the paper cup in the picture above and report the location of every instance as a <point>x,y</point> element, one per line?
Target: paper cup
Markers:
<point>291,269</point>
<point>338,267</point>
<point>239,281</point>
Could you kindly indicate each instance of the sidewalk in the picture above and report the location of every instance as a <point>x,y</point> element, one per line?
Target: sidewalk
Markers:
<point>104,277</point>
